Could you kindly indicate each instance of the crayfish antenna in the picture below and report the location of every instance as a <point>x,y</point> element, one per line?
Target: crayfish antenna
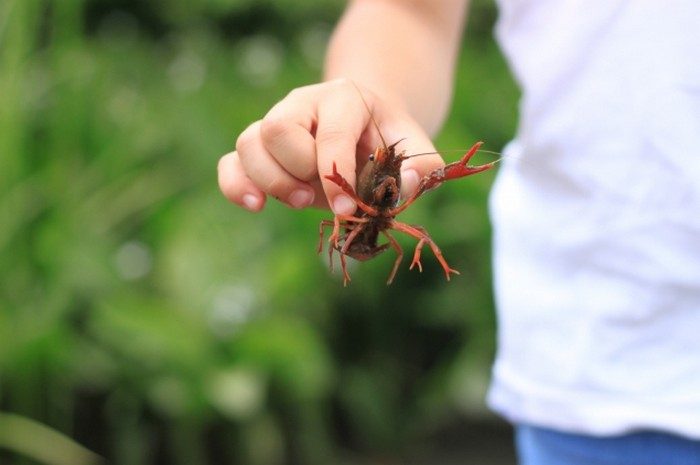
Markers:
<point>371,116</point>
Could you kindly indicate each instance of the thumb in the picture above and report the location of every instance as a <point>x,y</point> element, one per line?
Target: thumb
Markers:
<point>423,159</point>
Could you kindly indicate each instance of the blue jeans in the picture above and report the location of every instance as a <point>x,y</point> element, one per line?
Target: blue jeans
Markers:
<point>540,446</point>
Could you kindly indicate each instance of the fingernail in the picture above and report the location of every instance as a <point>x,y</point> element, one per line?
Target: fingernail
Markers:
<point>251,202</point>
<point>410,181</point>
<point>343,205</point>
<point>301,198</point>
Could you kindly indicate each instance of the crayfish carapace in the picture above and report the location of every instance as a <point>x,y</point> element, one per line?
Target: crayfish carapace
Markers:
<point>378,203</point>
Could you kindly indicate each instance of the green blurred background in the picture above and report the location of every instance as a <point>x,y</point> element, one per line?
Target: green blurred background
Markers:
<point>144,318</point>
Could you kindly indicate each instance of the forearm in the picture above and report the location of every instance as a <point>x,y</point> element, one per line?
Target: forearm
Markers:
<point>403,50</point>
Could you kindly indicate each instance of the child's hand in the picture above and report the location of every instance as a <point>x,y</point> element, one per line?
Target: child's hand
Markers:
<point>288,152</point>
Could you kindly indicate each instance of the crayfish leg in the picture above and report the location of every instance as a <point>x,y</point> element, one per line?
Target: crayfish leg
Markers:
<point>399,257</point>
<point>354,224</point>
<point>324,224</point>
<point>348,219</point>
<point>344,251</point>
<point>351,237</point>
<point>423,237</point>
<point>344,266</point>
<point>321,230</point>
<point>416,256</point>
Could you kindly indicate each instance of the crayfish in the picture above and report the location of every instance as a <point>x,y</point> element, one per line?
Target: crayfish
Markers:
<point>378,203</point>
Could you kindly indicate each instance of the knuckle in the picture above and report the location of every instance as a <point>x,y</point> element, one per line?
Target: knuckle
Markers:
<point>274,129</point>
<point>307,172</point>
<point>247,137</point>
<point>344,83</point>
<point>331,133</point>
<point>295,93</point>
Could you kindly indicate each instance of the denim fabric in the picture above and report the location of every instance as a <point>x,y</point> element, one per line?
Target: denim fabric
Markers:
<point>540,446</point>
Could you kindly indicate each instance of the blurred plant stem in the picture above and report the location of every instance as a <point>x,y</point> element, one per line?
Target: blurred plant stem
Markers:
<point>17,37</point>
<point>31,439</point>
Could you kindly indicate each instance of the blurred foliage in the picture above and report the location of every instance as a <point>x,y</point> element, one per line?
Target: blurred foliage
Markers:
<point>152,322</point>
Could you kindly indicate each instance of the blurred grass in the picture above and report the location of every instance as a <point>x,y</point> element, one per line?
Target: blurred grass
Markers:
<point>146,318</point>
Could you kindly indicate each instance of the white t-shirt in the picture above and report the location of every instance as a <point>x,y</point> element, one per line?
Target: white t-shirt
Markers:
<point>596,213</point>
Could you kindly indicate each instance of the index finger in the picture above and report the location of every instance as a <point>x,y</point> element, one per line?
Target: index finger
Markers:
<point>342,118</point>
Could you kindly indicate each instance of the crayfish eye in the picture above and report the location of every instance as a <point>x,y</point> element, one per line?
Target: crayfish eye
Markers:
<point>371,157</point>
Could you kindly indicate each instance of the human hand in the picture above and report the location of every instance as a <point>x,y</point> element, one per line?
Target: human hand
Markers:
<point>288,153</point>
